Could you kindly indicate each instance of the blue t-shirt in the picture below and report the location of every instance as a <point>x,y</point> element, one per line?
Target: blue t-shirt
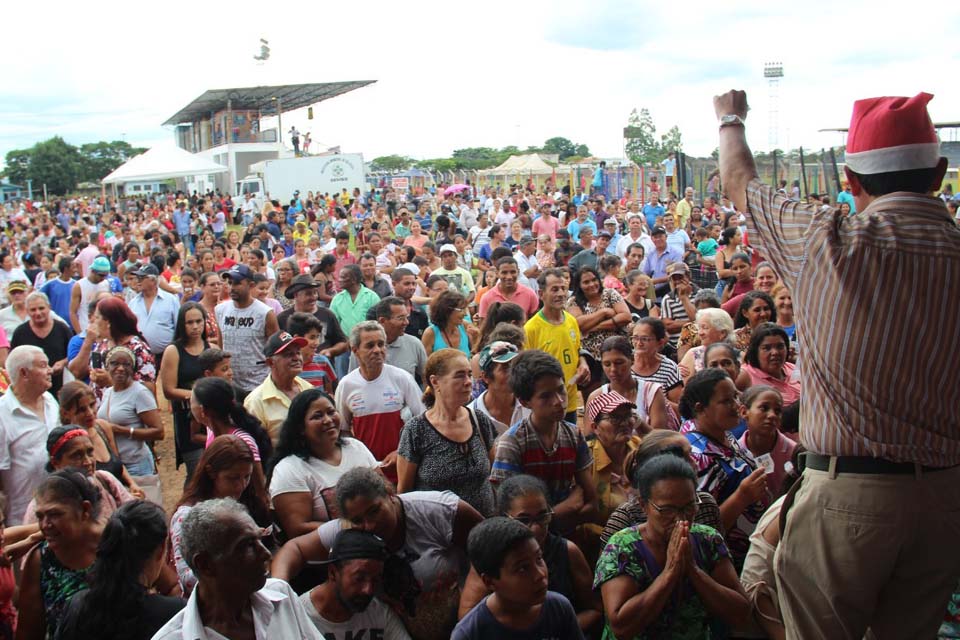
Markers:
<point>651,212</point>
<point>59,293</point>
<point>73,348</point>
<point>558,621</point>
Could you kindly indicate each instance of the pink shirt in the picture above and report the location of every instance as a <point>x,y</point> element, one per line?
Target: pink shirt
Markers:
<point>789,387</point>
<point>546,225</point>
<point>782,453</point>
<point>243,435</point>
<point>523,296</point>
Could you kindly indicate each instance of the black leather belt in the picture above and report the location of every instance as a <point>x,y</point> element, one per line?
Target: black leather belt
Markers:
<point>864,465</point>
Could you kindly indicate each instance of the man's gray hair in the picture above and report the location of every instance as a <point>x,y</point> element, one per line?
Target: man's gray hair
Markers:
<point>203,529</point>
<point>22,357</point>
<point>35,295</point>
<point>362,327</point>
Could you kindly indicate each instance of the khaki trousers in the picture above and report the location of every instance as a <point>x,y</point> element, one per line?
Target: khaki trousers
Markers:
<point>877,552</point>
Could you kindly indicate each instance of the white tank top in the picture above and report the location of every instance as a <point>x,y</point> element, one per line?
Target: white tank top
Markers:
<point>88,292</point>
<point>244,339</point>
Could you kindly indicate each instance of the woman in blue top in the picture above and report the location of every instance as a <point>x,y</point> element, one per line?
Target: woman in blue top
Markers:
<point>447,327</point>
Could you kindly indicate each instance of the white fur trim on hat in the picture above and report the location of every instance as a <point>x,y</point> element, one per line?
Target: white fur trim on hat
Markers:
<point>923,155</point>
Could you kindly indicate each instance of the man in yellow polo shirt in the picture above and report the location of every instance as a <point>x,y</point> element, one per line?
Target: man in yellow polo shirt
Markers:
<point>270,401</point>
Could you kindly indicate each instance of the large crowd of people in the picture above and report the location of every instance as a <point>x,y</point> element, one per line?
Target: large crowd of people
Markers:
<point>499,412</point>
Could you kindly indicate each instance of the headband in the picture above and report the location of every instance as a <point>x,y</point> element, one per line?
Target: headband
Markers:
<point>120,349</point>
<point>65,438</point>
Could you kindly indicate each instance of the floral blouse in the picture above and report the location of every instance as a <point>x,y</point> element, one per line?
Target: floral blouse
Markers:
<point>594,339</point>
<point>684,616</point>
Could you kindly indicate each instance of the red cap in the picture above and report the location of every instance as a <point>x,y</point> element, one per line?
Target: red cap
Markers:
<point>891,134</point>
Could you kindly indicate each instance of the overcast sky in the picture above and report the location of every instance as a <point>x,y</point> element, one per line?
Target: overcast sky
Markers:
<point>452,75</point>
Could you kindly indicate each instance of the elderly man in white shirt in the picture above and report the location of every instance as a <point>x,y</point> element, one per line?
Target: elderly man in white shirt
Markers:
<point>233,598</point>
<point>27,415</point>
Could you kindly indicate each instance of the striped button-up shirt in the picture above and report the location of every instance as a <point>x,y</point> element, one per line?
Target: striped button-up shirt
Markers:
<point>876,298</point>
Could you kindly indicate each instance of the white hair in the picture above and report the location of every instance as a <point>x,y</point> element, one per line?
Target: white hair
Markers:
<point>718,319</point>
<point>362,327</point>
<point>37,294</point>
<point>203,528</point>
<point>22,357</point>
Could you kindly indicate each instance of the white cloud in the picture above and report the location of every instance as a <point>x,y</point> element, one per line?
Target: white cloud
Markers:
<point>455,74</point>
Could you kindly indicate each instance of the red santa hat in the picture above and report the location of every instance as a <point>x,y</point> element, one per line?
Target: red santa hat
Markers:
<point>891,134</point>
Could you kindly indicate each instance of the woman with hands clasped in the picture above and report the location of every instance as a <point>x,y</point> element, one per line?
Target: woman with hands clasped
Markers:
<point>666,577</point>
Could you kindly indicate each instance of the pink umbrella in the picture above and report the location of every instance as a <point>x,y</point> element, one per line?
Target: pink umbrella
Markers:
<point>456,189</point>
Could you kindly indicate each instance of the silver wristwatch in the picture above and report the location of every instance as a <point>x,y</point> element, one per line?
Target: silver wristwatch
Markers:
<point>731,119</point>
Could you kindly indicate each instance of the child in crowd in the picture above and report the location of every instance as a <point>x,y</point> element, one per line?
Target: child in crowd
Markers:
<point>508,559</point>
<point>742,281</point>
<point>610,267</point>
<point>317,369</point>
<point>762,408</point>
<point>544,445</point>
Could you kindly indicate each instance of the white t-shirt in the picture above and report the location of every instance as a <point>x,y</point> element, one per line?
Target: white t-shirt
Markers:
<point>293,474</point>
<point>124,408</point>
<point>376,621</point>
<point>23,450</point>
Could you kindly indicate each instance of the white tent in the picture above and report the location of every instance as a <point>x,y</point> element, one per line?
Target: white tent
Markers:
<point>526,164</point>
<point>162,163</point>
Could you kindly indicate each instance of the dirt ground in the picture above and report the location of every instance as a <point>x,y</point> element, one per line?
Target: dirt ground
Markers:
<point>171,479</point>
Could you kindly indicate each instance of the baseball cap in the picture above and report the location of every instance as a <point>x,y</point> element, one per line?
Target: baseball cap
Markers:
<point>606,403</point>
<point>281,341</point>
<point>17,285</point>
<point>610,221</point>
<point>100,264</point>
<point>445,248</point>
<point>239,272</point>
<point>300,283</point>
<point>677,267</point>
<point>658,231</point>
<point>604,234</point>
<point>356,544</point>
<point>497,352</point>
<point>147,270</point>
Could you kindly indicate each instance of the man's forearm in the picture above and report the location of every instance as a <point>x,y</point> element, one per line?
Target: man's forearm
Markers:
<point>737,167</point>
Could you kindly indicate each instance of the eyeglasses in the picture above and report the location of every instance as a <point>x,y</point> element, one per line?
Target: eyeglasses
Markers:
<point>542,519</point>
<point>643,339</point>
<point>669,511</point>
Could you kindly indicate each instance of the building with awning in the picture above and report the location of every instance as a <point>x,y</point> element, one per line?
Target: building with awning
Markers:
<point>225,126</point>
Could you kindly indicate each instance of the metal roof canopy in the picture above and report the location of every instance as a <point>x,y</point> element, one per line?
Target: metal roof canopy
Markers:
<point>264,99</point>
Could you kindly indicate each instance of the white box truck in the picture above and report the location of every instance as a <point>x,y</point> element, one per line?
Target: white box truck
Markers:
<point>320,174</point>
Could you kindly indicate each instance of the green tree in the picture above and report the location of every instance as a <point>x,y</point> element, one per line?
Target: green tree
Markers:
<point>671,141</point>
<point>100,158</point>
<point>438,164</point>
<point>643,146</point>
<point>56,164</point>
<point>392,163</point>
<point>18,166</point>
<point>565,148</point>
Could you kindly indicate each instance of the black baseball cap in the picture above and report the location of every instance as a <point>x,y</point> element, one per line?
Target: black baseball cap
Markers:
<point>658,231</point>
<point>148,269</point>
<point>355,544</point>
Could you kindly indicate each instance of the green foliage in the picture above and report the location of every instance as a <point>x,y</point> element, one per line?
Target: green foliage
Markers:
<point>646,147</point>
<point>61,165</point>
<point>392,163</point>
<point>565,148</point>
